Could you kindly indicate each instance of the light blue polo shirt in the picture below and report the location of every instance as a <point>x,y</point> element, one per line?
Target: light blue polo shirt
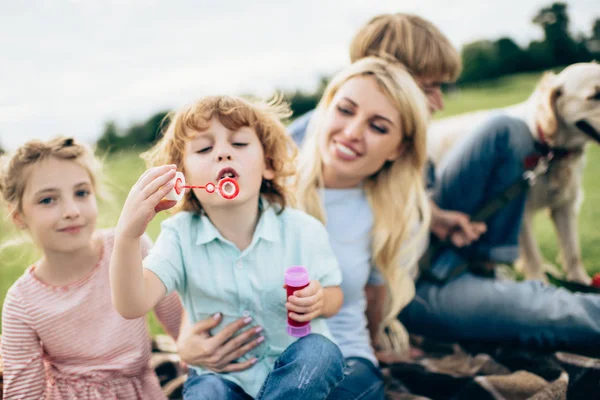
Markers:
<point>212,275</point>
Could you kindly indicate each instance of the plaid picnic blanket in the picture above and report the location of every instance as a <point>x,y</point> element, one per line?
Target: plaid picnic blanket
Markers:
<point>452,371</point>
<point>440,370</point>
<point>468,372</point>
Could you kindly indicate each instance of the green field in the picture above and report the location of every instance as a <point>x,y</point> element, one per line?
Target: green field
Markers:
<point>124,169</point>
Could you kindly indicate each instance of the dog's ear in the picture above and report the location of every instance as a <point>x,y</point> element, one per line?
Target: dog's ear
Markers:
<point>546,117</point>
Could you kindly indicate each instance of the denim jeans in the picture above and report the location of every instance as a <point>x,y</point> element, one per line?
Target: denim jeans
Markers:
<point>470,307</point>
<point>310,368</point>
<point>477,170</point>
<point>362,380</point>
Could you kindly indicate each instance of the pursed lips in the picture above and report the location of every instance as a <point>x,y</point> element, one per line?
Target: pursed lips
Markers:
<point>227,173</point>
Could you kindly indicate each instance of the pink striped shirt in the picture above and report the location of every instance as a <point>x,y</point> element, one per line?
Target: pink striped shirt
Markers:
<point>70,343</point>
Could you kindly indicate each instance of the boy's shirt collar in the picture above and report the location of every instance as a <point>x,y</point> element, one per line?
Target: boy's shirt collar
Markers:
<point>267,227</point>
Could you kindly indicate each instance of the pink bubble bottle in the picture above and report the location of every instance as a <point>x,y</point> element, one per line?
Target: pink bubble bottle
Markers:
<point>296,278</point>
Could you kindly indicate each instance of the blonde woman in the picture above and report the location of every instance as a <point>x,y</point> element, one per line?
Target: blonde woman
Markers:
<point>366,137</point>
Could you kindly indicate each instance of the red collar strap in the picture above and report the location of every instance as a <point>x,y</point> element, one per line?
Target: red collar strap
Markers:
<point>541,135</point>
<point>542,149</point>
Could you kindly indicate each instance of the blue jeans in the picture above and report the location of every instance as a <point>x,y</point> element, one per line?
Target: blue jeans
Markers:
<point>474,308</point>
<point>362,380</point>
<point>312,357</point>
<point>477,170</point>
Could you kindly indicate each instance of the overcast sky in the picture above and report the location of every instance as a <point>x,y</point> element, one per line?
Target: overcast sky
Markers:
<point>68,66</point>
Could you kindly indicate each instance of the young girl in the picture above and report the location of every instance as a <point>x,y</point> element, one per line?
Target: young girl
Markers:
<point>227,258</point>
<point>62,338</point>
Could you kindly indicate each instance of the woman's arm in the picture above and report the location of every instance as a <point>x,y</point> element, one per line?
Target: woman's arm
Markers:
<point>196,346</point>
<point>24,373</point>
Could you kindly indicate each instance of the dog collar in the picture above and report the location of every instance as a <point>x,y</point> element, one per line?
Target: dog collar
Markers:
<point>544,150</point>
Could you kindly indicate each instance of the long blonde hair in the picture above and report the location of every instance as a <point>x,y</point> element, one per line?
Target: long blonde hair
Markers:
<point>414,41</point>
<point>396,192</point>
<point>233,112</point>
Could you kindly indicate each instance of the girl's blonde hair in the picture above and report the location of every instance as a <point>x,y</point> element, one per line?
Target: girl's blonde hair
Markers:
<point>234,113</point>
<point>15,169</point>
<point>411,40</point>
<point>396,192</point>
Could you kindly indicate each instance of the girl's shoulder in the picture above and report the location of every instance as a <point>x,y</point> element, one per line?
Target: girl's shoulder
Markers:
<point>107,237</point>
<point>22,286</point>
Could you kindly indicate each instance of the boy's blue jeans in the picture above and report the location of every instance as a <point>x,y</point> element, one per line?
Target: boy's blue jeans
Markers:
<point>470,307</point>
<point>362,380</point>
<point>310,368</point>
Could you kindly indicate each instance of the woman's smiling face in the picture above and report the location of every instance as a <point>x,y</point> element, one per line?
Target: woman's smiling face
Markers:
<point>362,132</point>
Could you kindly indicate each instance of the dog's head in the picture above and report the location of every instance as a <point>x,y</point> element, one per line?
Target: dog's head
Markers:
<point>568,106</point>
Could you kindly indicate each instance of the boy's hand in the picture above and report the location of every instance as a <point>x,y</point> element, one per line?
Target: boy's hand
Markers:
<point>306,304</point>
<point>144,201</point>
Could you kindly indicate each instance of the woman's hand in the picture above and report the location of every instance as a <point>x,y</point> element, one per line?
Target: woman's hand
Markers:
<point>197,347</point>
<point>306,304</point>
<point>144,201</point>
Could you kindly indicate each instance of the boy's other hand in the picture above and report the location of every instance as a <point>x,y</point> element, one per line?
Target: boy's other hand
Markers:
<point>306,304</point>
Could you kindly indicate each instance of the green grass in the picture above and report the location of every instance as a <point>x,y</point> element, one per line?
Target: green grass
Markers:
<point>123,170</point>
<point>497,93</point>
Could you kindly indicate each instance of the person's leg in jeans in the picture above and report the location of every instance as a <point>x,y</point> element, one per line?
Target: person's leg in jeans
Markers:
<point>362,380</point>
<point>477,170</point>
<point>211,387</point>
<point>473,308</point>
<point>310,368</point>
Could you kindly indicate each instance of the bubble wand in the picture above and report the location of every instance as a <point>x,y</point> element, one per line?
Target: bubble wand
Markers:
<point>227,188</point>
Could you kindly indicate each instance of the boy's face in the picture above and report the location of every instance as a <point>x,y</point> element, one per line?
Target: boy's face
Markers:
<point>433,91</point>
<point>218,153</point>
<point>59,207</point>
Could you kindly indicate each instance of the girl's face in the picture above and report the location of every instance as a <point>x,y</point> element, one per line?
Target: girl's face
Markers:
<point>218,153</point>
<point>59,206</point>
<point>362,132</point>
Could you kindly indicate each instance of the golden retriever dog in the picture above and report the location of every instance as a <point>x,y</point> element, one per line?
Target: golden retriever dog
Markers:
<point>563,113</point>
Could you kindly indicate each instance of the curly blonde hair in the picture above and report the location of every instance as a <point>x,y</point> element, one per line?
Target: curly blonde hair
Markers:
<point>234,113</point>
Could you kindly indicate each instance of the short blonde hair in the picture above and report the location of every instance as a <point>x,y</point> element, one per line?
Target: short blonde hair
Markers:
<point>233,112</point>
<point>15,169</point>
<point>413,41</point>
